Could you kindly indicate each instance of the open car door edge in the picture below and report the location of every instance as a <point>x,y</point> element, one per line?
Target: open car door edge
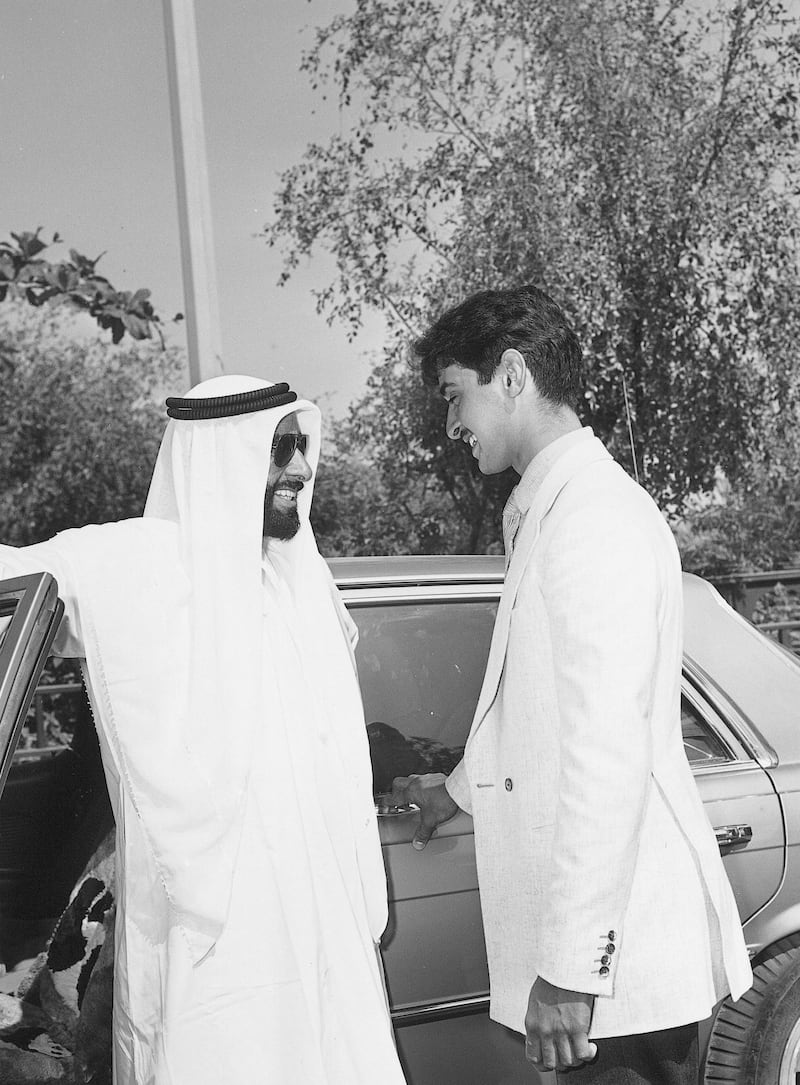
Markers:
<point>30,614</point>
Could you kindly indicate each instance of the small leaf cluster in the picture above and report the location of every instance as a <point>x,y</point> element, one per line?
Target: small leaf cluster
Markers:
<point>26,273</point>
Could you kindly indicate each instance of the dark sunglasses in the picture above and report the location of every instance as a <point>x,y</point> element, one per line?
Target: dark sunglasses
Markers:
<point>285,446</point>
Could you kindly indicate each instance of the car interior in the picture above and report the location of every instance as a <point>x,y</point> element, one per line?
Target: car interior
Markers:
<point>56,893</point>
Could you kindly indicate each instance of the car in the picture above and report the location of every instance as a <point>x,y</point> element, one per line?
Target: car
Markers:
<point>425,624</point>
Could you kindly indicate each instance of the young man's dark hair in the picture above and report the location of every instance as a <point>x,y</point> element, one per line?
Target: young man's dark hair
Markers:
<point>475,333</point>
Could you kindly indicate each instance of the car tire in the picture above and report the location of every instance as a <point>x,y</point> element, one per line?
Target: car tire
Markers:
<point>756,1041</point>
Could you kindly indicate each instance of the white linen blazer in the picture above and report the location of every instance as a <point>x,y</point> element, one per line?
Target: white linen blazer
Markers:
<point>597,866</point>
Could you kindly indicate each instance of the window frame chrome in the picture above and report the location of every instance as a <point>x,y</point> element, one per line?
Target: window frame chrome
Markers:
<point>35,618</point>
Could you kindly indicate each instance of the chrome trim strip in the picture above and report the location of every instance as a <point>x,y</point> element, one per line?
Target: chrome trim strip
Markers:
<point>421,571</point>
<point>415,595</point>
<point>440,1011</point>
<point>419,581</point>
<point>717,767</point>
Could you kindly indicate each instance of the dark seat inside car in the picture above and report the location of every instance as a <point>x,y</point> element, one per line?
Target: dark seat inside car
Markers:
<point>54,813</point>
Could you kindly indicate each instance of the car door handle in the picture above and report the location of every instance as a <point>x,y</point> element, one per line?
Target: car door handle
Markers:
<point>385,809</point>
<point>730,835</point>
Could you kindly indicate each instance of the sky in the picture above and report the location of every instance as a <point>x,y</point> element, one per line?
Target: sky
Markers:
<point>86,150</point>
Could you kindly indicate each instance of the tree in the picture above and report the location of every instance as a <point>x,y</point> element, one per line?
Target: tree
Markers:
<point>636,159</point>
<point>26,274</point>
<point>755,526</point>
<point>357,510</point>
<point>81,425</point>
<point>425,478</point>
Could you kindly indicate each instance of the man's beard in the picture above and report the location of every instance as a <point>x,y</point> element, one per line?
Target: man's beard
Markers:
<point>280,524</point>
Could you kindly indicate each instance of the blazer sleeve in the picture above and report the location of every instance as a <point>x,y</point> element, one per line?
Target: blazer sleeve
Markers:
<point>602,581</point>
<point>45,558</point>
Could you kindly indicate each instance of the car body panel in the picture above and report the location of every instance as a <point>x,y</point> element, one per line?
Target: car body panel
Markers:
<point>425,628</point>
<point>742,795</point>
<point>725,645</point>
<point>465,1050</point>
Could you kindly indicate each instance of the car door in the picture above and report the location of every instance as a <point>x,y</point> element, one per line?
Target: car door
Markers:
<point>54,805</point>
<point>730,764</point>
<point>421,658</point>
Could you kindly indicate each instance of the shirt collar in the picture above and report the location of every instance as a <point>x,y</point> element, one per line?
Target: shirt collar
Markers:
<point>540,466</point>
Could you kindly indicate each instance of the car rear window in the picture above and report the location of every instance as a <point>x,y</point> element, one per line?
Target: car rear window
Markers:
<point>701,743</point>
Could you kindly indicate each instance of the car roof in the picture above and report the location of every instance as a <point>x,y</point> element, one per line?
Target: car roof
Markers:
<point>404,570</point>
<point>755,672</point>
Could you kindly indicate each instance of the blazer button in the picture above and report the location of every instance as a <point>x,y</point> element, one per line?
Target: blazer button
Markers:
<point>604,971</point>
<point>611,948</point>
<point>612,936</point>
<point>509,783</point>
<point>605,959</point>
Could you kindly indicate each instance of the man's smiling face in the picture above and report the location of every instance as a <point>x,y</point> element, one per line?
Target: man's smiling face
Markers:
<point>475,415</point>
<point>284,483</point>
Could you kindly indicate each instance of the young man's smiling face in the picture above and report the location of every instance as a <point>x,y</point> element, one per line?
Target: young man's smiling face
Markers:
<point>284,483</point>
<point>476,415</point>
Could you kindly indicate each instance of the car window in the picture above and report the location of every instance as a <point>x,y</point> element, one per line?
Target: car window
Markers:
<point>8,604</point>
<point>421,667</point>
<point>700,741</point>
<point>58,708</point>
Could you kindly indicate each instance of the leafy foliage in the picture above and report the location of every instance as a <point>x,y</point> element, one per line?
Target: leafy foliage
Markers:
<point>25,273</point>
<point>433,484</point>
<point>638,160</point>
<point>81,425</point>
<point>359,510</point>
<point>755,526</point>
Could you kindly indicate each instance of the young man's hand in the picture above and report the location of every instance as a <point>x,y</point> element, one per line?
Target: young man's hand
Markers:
<point>430,795</point>
<point>557,1027</point>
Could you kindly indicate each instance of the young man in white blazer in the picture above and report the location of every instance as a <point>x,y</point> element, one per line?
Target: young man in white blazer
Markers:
<point>611,929</point>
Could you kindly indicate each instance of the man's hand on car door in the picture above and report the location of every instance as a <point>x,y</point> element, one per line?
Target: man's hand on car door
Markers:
<point>431,796</point>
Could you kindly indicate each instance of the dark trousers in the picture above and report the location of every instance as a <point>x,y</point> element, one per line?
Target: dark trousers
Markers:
<point>654,1058</point>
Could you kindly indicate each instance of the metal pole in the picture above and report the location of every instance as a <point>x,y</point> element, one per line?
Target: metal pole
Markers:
<point>194,203</point>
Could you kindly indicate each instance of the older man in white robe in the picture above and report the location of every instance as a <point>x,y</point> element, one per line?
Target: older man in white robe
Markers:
<point>218,660</point>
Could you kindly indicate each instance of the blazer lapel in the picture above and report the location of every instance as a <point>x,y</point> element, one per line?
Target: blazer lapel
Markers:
<point>569,465</point>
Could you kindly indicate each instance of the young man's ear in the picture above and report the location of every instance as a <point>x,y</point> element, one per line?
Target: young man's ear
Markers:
<point>513,372</point>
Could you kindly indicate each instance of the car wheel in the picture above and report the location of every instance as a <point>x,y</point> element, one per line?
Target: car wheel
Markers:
<point>756,1041</point>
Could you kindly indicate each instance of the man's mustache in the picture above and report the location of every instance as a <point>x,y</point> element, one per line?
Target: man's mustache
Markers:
<point>295,484</point>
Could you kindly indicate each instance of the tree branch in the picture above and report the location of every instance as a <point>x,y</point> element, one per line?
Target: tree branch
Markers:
<point>457,118</point>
